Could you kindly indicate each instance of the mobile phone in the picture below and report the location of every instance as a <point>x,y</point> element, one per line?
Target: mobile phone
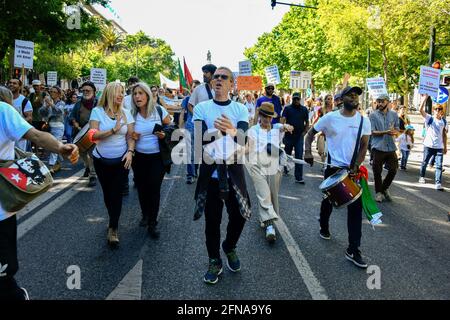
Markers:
<point>157,128</point>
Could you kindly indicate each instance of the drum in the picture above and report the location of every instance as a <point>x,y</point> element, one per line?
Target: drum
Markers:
<point>340,189</point>
<point>82,140</point>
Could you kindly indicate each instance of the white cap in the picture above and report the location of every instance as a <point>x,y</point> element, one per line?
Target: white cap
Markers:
<point>36,83</point>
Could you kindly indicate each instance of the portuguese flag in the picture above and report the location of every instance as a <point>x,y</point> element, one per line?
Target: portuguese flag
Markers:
<point>181,76</point>
<point>187,73</point>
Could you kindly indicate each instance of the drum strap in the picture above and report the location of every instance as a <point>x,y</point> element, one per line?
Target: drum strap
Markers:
<point>358,140</point>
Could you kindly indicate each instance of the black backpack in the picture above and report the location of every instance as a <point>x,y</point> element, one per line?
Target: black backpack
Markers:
<point>24,104</point>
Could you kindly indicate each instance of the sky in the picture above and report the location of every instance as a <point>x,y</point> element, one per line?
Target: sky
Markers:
<point>192,27</point>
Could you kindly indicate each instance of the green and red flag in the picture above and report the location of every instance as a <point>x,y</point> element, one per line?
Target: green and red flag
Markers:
<point>187,74</point>
<point>181,76</point>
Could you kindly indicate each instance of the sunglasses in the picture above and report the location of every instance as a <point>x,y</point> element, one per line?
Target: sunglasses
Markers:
<point>438,109</point>
<point>270,88</point>
<point>221,76</point>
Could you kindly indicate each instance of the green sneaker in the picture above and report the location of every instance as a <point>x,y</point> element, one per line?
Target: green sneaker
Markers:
<point>233,262</point>
<point>214,271</point>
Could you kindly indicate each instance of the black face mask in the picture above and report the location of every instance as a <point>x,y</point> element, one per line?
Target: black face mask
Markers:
<point>350,107</point>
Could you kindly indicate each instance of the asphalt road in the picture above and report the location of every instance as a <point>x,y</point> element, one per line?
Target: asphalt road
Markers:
<point>67,227</point>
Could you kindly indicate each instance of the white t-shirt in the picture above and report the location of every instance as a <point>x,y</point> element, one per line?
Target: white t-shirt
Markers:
<point>264,137</point>
<point>433,138</point>
<point>17,104</point>
<point>209,111</point>
<point>148,142</point>
<point>116,145</point>
<point>404,141</point>
<point>341,133</point>
<point>127,102</point>
<point>251,109</point>
<point>12,128</point>
<point>200,94</point>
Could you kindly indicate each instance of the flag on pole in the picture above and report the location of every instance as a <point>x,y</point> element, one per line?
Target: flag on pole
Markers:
<point>181,76</point>
<point>187,74</point>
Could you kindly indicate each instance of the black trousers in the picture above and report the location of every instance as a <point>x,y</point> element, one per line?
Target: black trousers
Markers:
<point>213,219</point>
<point>354,216</point>
<point>148,175</point>
<point>112,178</point>
<point>379,159</point>
<point>9,290</point>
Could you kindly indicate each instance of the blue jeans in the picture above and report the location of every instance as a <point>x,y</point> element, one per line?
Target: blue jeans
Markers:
<point>297,144</point>
<point>427,154</point>
<point>192,168</point>
<point>405,156</point>
<point>58,133</point>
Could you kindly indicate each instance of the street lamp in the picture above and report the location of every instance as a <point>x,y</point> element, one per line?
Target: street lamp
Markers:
<point>274,3</point>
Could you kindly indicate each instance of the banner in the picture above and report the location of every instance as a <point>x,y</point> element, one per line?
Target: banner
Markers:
<point>273,75</point>
<point>52,78</point>
<point>253,83</point>
<point>429,81</point>
<point>245,68</point>
<point>98,77</point>
<point>300,80</point>
<point>23,54</point>
<point>376,87</point>
<point>169,83</point>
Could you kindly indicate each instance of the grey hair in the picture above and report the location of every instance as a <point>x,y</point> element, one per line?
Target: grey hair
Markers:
<point>229,71</point>
<point>6,95</point>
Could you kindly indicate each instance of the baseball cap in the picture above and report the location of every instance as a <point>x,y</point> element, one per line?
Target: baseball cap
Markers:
<point>296,95</point>
<point>383,97</point>
<point>349,89</point>
<point>270,84</point>
<point>36,83</point>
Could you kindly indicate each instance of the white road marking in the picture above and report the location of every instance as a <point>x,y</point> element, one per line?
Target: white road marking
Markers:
<point>130,288</point>
<point>315,289</point>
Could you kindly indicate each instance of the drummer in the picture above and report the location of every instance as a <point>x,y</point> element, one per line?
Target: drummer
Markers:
<point>341,130</point>
<point>79,117</point>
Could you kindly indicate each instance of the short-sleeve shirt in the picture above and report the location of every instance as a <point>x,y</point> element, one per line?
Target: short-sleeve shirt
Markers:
<point>381,121</point>
<point>434,132</point>
<point>148,142</point>
<point>263,137</point>
<point>341,133</point>
<point>296,116</point>
<point>275,100</point>
<point>17,104</point>
<point>200,94</point>
<point>12,128</point>
<point>116,145</point>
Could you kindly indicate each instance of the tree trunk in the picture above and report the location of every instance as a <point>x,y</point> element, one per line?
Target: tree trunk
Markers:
<point>385,59</point>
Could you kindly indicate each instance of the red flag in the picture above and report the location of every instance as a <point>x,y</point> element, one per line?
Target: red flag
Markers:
<point>15,176</point>
<point>187,74</point>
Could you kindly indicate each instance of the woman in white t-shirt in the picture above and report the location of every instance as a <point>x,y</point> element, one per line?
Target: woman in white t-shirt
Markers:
<point>114,151</point>
<point>264,141</point>
<point>147,165</point>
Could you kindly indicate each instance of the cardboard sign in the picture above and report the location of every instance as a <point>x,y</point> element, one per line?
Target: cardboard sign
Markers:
<point>98,77</point>
<point>52,78</point>
<point>273,75</point>
<point>253,83</point>
<point>429,81</point>
<point>376,86</point>
<point>245,68</point>
<point>23,54</point>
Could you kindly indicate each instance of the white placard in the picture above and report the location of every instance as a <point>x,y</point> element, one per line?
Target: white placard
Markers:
<point>300,80</point>
<point>52,78</point>
<point>245,68</point>
<point>98,77</point>
<point>23,54</point>
<point>429,81</point>
<point>376,86</point>
<point>273,75</point>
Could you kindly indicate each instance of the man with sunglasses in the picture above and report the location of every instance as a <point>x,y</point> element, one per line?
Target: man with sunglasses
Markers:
<point>220,183</point>
<point>435,142</point>
<point>272,98</point>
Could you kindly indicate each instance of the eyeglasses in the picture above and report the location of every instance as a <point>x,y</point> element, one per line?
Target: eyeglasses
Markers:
<point>221,76</point>
<point>86,91</point>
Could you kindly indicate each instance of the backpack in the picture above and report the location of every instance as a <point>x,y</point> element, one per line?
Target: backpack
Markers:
<point>24,104</point>
<point>166,145</point>
<point>431,121</point>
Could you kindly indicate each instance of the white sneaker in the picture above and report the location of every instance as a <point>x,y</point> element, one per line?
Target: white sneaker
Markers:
<point>270,233</point>
<point>439,187</point>
<point>379,197</point>
<point>421,180</point>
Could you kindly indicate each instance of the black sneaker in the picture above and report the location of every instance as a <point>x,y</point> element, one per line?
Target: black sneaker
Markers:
<point>153,231</point>
<point>92,182</point>
<point>356,258</point>
<point>300,181</point>
<point>190,180</point>
<point>215,269</point>
<point>325,234</point>
<point>86,172</point>
<point>143,222</point>
<point>25,294</point>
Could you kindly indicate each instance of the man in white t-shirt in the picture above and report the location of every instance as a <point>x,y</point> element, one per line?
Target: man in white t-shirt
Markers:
<point>341,130</point>
<point>435,142</point>
<point>204,91</point>
<point>219,183</point>
<point>23,106</point>
<point>13,128</point>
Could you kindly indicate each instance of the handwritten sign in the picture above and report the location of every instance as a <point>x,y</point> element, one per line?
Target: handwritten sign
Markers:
<point>98,77</point>
<point>249,83</point>
<point>52,78</point>
<point>429,81</point>
<point>377,87</point>
<point>245,68</point>
<point>23,54</point>
<point>273,75</point>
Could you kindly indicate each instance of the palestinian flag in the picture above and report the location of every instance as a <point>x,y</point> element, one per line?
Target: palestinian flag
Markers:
<point>187,74</point>
<point>181,76</point>
<point>15,177</point>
